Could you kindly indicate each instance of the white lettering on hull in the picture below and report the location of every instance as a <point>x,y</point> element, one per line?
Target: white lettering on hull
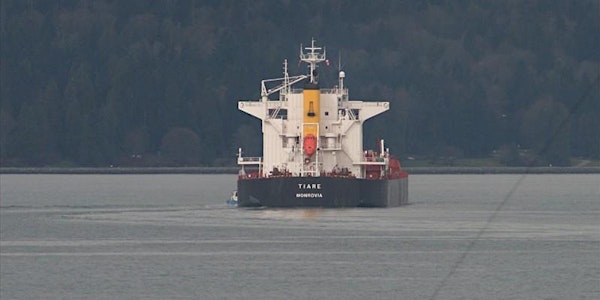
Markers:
<point>309,195</point>
<point>309,186</point>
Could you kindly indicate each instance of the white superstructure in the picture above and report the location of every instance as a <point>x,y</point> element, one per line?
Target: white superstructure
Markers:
<point>338,129</point>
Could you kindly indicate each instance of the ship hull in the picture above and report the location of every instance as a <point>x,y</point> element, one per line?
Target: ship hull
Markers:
<point>322,192</point>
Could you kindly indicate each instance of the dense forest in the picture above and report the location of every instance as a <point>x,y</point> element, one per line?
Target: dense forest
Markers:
<point>156,83</point>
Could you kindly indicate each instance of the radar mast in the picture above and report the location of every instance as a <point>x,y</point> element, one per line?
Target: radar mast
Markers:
<point>312,57</point>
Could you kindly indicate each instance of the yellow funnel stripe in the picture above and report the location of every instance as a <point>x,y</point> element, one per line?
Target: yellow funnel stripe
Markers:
<point>311,111</point>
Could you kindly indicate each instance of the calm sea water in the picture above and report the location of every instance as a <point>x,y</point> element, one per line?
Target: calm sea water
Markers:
<point>173,237</point>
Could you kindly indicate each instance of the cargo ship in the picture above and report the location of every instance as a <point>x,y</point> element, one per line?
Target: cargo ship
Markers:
<point>313,152</point>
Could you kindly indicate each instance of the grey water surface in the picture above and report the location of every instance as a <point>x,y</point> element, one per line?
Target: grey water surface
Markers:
<point>173,237</point>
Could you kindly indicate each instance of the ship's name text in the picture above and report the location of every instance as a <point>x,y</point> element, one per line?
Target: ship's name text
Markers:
<point>309,186</point>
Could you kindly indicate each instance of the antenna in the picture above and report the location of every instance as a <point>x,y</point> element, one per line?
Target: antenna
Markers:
<point>341,74</point>
<point>286,78</point>
<point>312,57</point>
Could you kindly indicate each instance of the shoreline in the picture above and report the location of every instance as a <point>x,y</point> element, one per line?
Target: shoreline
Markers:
<point>234,170</point>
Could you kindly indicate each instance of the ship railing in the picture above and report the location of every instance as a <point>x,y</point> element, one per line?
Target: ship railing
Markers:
<point>335,90</point>
<point>249,160</point>
<point>312,56</point>
<point>342,172</point>
<point>273,104</point>
<point>337,146</point>
<point>251,103</point>
<point>309,173</point>
<point>373,161</point>
<point>364,104</point>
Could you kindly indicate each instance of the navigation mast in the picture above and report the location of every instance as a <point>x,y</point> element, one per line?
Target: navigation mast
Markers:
<point>312,58</point>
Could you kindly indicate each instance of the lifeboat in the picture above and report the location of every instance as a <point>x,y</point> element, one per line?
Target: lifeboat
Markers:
<point>310,144</point>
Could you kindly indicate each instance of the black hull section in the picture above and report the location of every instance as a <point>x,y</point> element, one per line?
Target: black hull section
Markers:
<point>322,192</point>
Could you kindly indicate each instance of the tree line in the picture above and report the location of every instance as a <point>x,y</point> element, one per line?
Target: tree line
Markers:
<point>106,82</point>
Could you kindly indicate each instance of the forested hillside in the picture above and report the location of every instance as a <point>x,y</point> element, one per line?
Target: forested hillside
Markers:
<point>153,83</point>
